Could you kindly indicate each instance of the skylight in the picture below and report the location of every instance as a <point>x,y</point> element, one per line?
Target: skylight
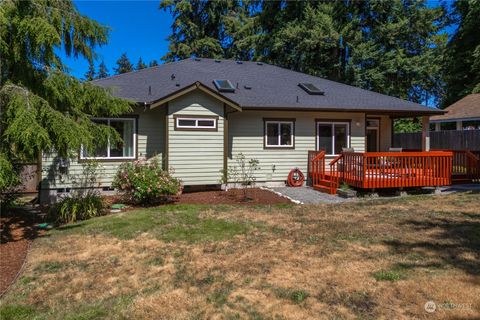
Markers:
<point>311,88</point>
<point>224,85</point>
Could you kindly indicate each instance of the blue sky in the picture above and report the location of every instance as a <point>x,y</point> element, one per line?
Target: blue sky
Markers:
<point>138,28</point>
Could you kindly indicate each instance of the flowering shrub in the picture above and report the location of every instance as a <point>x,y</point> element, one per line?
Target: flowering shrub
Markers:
<point>145,182</point>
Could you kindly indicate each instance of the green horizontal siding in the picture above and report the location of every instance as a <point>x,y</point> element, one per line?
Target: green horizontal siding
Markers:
<point>150,143</point>
<point>196,157</point>
<point>246,130</point>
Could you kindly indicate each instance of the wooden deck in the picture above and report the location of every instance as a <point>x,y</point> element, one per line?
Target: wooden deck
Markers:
<point>376,170</point>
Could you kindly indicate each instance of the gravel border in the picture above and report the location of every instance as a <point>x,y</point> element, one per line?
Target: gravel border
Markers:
<point>282,195</point>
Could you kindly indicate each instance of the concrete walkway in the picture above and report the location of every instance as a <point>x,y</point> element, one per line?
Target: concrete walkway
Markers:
<point>461,188</point>
<point>307,195</point>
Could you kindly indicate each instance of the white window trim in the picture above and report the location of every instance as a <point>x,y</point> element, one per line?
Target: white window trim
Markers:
<point>333,123</point>
<point>108,144</point>
<point>278,145</point>
<point>196,126</point>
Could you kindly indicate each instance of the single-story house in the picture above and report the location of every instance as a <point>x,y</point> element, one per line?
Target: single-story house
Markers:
<point>196,115</point>
<point>462,115</point>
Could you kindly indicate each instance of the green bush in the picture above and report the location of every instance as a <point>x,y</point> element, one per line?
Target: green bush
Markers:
<point>77,207</point>
<point>9,182</point>
<point>145,182</point>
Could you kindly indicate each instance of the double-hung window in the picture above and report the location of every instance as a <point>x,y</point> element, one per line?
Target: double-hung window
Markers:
<point>279,133</point>
<point>333,136</point>
<point>125,149</point>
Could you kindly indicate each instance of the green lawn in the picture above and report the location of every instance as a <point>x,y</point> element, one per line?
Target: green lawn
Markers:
<point>168,223</point>
<point>337,261</point>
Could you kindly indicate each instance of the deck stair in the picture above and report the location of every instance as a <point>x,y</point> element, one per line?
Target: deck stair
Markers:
<point>326,184</point>
<point>321,179</point>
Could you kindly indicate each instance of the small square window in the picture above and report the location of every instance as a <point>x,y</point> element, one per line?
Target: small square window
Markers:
<point>373,123</point>
<point>279,134</point>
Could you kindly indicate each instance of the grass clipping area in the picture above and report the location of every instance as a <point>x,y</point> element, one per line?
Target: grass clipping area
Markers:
<point>382,258</point>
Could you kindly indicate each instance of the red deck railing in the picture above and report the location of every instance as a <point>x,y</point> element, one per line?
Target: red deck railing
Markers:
<point>372,170</point>
<point>465,164</point>
<point>393,169</point>
<point>317,168</point>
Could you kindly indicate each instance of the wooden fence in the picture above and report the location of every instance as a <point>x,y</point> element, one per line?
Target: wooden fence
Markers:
<point>452,140</point>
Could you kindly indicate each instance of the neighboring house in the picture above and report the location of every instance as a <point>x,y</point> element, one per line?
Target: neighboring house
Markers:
<point>196,115</point>
<point>462,115</point>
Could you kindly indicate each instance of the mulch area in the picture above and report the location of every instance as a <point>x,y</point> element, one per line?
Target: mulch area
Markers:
<point>255,196</point>
<point>17,232</point>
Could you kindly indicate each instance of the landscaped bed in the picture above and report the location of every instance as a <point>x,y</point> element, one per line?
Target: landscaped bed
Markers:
<point>255,196</point>
<point>382,258</point>
<point>17,233</point>
<point>233,196</point>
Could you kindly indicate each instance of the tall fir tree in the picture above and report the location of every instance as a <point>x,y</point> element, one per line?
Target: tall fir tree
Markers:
<point>153,63</point>
<point>401,49</point>
<point>199,28</point>
<point>42,108</point>
<point>102,70</point>
<point>462,61</point>
<point>123,65</point>
<point>140,64</point>
<point>310,40</point>
<point>90,74</point>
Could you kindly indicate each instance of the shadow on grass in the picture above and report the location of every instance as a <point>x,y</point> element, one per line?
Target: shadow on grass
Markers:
<point>457,244</point>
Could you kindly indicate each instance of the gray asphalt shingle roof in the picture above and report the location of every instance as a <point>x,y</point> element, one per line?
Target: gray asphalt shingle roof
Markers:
<point>272,87</point>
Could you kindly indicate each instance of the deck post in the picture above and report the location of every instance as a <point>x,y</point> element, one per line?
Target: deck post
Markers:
<point>426,133</point>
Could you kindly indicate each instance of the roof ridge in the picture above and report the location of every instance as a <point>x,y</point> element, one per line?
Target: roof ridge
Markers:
<point>135,71</point>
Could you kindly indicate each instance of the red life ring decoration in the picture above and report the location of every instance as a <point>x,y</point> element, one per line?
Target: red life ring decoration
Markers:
<point>295,178</point>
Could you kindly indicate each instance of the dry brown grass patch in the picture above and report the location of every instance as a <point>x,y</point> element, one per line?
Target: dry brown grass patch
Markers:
<point>302,262</point>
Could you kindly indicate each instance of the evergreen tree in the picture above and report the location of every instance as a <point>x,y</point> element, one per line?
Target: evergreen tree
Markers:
<point>41,108</point>
<point>90,74</point>
<point>153,63</point>
<point>310,39</point>
<point>393,47</point>
<point>123,65</point>
<point>462,67</point>
<point>140,64</point>
<point>102,71</point>
<point>401,49</point>
<point>199,28</point>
